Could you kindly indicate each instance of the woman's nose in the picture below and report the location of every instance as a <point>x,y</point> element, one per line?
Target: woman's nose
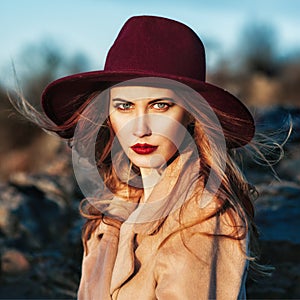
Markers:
<point>141,126</point>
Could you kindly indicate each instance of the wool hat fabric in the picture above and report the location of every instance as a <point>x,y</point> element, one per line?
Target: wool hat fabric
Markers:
<point>150,46</point>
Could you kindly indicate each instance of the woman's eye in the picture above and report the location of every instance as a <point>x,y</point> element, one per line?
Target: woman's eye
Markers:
<point>123,106</point>
<point>161,106</point>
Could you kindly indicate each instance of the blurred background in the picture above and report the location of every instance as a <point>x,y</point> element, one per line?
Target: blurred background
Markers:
<point>252,50</point>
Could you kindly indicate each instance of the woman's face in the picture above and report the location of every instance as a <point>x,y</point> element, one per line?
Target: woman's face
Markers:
<point>148,122</point>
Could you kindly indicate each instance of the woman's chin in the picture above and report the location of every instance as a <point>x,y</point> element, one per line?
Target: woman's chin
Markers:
<point>152,161</point>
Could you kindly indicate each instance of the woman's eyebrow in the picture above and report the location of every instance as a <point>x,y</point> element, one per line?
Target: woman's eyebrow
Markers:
<point>162,99</point>
<point>150,102</point>
<point>121,100</point>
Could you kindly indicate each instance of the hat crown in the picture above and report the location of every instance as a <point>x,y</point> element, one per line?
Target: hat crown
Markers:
<point>150,46</point>
<point>157,45</point>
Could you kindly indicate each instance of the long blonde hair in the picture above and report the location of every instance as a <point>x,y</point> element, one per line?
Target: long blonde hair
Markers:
<point>237,194</point>
<point>234,188</point>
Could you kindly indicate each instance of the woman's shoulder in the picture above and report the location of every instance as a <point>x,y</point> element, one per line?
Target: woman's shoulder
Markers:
<point>215,217</point>
<point>203,232</point>
<point>207,255</point>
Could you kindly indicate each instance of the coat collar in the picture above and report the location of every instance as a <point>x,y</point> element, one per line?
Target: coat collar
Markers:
<point>124,263</point>
<point>147,217</point>
<point>176,186</point>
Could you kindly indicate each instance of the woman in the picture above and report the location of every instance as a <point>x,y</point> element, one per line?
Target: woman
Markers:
<point>169,214</point>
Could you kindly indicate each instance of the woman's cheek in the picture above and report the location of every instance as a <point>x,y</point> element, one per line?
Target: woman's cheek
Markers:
<point>173,131</point>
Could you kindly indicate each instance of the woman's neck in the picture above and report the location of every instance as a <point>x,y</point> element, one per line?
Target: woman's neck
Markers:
<point>150,178</point>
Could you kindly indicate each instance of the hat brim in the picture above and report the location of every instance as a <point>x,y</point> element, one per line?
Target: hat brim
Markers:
<point>59,93</point>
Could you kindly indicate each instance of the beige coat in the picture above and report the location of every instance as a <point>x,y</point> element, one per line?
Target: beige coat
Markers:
<point>156,260</point>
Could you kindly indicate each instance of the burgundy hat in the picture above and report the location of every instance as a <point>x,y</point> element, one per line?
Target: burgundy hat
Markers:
<point>150,46</point>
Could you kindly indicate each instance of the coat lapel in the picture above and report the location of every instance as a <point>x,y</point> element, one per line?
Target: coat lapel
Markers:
<point>124,263</point>
<point>174,189</point>
<point>176,186</point>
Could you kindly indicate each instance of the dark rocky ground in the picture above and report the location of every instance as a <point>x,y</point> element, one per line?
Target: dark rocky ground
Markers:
<point>40,246</point>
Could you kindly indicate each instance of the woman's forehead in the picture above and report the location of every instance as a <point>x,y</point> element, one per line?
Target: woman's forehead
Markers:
<point>132,93</point>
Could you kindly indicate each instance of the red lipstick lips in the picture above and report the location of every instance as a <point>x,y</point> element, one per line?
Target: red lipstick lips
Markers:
<point>143,148</point>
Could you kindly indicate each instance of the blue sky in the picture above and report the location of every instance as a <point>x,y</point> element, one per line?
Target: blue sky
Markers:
<point>90,26</point>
